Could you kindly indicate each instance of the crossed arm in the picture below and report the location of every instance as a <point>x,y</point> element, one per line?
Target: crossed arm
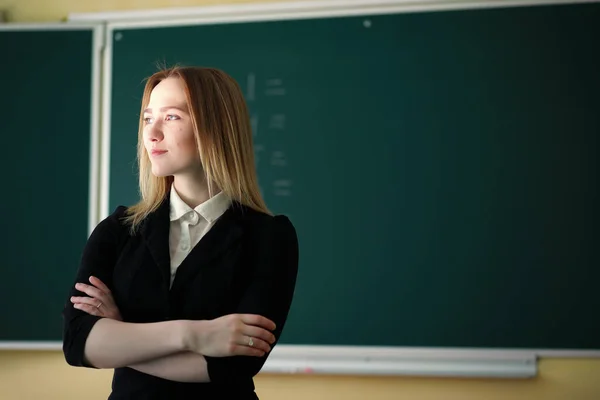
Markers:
<point>187,351</point>
<point>171,350</point>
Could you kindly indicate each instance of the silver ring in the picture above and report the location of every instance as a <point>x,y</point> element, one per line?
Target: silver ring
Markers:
<point>250,342</point>
<point>98,306</point>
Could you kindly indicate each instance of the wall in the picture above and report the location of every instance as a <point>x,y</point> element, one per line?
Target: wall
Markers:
<point>55,10</point>
<point>45,375</point>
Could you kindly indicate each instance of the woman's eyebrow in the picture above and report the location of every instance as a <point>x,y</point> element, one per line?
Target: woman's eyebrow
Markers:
<point>163,109</point>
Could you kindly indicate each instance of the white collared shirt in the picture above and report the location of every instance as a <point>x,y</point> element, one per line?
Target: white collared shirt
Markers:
<point>189,225</point>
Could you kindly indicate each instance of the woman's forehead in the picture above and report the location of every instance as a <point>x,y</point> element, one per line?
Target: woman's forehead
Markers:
<point>169,90</point>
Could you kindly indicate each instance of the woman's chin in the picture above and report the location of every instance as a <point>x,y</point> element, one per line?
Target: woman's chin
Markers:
<point>160,173</point>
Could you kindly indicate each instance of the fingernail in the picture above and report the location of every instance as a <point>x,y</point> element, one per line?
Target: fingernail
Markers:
<point>76,306</point>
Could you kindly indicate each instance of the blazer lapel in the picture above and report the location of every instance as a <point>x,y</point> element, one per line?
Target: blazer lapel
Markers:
<point>155,231</point>
<point>226,232</point>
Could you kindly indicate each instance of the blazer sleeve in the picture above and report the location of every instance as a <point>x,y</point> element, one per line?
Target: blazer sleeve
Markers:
<point>269,293</point>
<point>98,259</point>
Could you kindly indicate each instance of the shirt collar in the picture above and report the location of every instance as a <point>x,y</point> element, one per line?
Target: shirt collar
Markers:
<point>210,210</point>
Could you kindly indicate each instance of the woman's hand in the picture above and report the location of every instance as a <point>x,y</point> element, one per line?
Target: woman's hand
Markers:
<point>100,302</point>
<point>230,335</point>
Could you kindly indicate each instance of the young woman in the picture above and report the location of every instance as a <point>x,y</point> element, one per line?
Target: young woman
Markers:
<point>185,293</point>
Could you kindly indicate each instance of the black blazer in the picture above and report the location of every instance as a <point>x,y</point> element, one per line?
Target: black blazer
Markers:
<point>246,263</point>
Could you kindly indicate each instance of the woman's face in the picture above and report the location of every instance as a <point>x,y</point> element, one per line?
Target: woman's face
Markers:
<point>168,132</point>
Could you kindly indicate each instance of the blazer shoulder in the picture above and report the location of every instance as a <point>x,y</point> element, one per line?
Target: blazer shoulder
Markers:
<point>277,227</point>
<point>114,223</point>
<point>119,213</point>
<point>281,223</point>
<point>260,219</point>
<point>116,218</point>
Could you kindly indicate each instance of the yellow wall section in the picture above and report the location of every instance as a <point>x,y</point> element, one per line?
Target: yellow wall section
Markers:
<point>55,10</point>
<point>44,375</point>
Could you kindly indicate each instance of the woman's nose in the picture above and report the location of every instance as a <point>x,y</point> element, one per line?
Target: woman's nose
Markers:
<point>154,133</point>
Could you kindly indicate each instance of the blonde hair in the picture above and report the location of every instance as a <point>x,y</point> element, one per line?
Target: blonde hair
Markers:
<point>223,134</point>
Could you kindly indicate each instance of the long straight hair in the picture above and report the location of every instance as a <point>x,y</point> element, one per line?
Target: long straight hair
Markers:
<point>223,133</point>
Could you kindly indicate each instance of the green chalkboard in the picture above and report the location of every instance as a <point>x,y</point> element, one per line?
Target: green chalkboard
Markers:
<point>440,167</point>
<point>45,109</point>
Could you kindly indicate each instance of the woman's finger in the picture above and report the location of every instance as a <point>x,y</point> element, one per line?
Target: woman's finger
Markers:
<point>92,310</point>
<point>106,309</point>
<point>254,343</point>
<point>87,300</point>
<point>99,284</point>
<point>242,350</point>
<point>91,291</point>
<point>260,333</point>
<point>257,320</point>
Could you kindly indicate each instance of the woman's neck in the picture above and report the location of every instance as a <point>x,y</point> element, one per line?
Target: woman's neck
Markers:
<point>193,190</point>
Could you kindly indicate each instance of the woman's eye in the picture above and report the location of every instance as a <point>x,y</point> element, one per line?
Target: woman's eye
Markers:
<point>148,120</point>
<point>171,117</point>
